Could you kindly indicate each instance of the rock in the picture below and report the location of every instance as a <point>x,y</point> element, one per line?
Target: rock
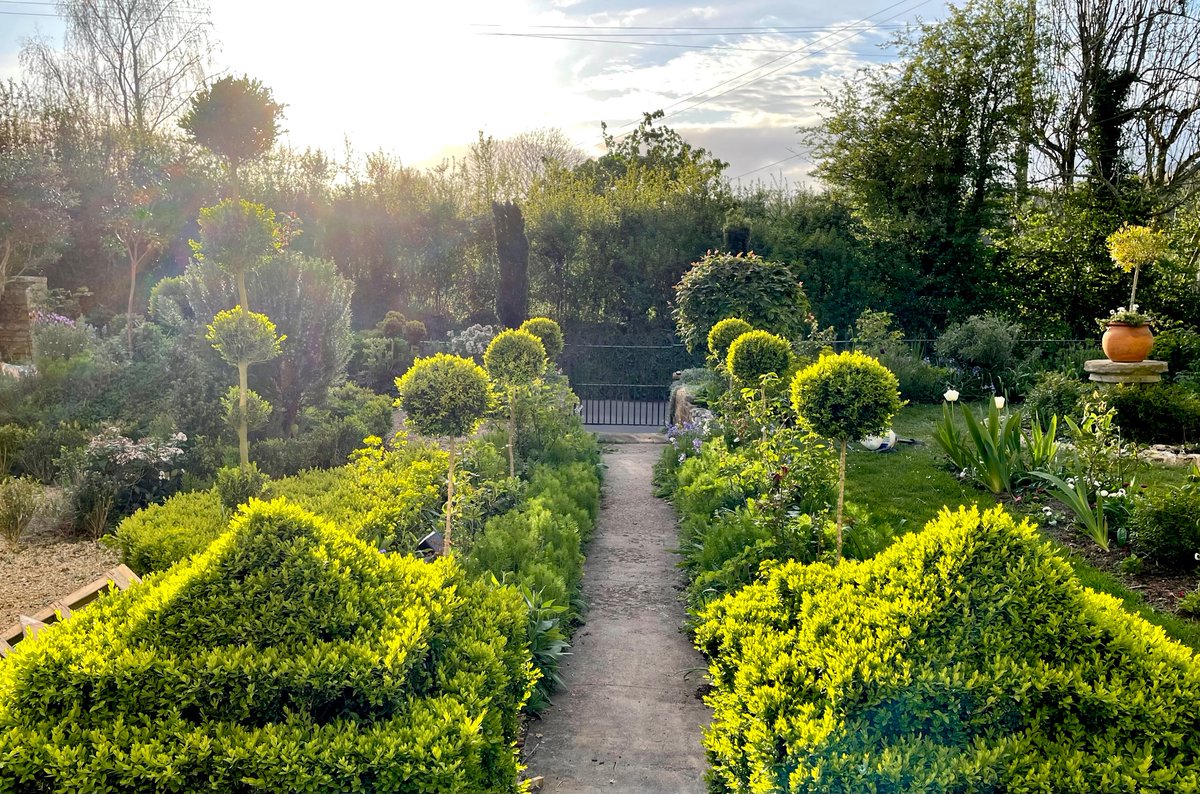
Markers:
<point>1101,370</point>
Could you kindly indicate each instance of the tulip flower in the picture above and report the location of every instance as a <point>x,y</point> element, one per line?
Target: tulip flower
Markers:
<point>999,402</point>
<point>951,396</point>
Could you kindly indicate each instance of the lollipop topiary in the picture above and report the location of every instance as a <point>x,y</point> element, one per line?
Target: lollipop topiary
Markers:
<point>243,338</point>
<point>845,397</point>
<point>238,236</point>
<point>548,331</point>
<point>445,396</point>
<point>721,336</point>
<point>514,359</point>
<point>757,359</point>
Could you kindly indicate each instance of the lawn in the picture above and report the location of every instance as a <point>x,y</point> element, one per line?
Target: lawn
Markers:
<point>908,486</point>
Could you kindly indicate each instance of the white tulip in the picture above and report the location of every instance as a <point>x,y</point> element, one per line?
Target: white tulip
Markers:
<point>999,402</point>
<point>951,396</point>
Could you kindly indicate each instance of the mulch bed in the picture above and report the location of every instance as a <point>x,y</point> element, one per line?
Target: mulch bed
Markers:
<point>47,566</point>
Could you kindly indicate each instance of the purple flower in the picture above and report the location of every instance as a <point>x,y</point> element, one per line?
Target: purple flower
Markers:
<point>696,443</point>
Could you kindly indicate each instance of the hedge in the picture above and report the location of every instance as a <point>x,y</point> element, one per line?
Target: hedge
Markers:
<point>965,658</point>
<point>290,656</point>
<point>384,497</point>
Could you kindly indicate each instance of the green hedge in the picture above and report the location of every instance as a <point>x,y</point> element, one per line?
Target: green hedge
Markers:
<point>965,658</point>
<point>290,656</point>
<point>384,497</point>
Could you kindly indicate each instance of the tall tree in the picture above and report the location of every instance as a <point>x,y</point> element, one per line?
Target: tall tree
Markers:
<point>33,212</point>
<point>237,118</point>
<point>512,251</point>
<point>132,62</point>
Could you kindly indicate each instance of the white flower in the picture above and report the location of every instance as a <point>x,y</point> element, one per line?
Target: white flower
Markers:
<point>951,396</point>
<point>1103,492</point>
<point>999,401</point>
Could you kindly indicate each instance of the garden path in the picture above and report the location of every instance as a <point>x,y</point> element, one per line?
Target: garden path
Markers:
<point>629,719</point>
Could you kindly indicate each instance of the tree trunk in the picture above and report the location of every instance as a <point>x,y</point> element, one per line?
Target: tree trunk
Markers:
<point>243,420</point>
<point>243,300</point>
<point>512,432</point>
<point>133,269</point>
<point>449,498</point>
<point>841,498</point>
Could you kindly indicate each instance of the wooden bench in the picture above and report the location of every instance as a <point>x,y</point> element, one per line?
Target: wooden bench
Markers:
<point>30,625</point>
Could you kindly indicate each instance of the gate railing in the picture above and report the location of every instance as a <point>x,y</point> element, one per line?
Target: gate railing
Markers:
<point>629,404</point>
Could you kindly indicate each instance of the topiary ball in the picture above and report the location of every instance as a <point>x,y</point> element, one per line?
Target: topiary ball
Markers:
<point>243,337</point>
<point>755,354</point>
<point>415,332</point>
<point>548,331</point>
<point>846,396</point>
<point>515,357</point>
<point>391,326</point>
<point>721,336</point>
<point>444,395</point>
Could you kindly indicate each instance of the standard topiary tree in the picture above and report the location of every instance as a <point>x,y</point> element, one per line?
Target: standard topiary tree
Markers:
<point>445,396</point>
<point>244,338</point>
<point>239,236</point>
<point>514,359</point>
<point>721,336</point>
<point>237,118</point>
<point>845,397</point>
<point>756,360</point>
<point>765,294</point>
<point>548,331</point>
<point>415,333</point>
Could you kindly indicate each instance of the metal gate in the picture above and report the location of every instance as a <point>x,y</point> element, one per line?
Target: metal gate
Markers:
<point>627,385</point>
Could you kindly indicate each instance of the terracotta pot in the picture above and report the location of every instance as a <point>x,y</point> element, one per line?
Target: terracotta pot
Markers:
<point>1127,344</point>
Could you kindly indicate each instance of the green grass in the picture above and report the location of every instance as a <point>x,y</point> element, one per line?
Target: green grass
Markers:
<point>908,487</point>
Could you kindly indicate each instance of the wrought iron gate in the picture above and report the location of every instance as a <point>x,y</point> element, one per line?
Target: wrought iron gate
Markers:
<point>628,385</point>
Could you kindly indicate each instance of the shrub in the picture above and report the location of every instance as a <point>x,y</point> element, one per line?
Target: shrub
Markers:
<point>985,342</point>
<point>290,656</point>
<point>722,334</point>
<point>757,354</point>
<point>471,341</point>
<point>13,439</point>
<point>966,657</point>
<point>765,294</point>
<point>20,498</point>
<point>1055,394</point>
<point>41,455</point>
<point>918,380</point>
<point>514,360</point>
<point>548,331</point>
<point>1158,413</point>
<point>157,537</point>
<point>845,397</point>
<point>237,486</point>
<point>1165,525</point>
<point>1180,348</point>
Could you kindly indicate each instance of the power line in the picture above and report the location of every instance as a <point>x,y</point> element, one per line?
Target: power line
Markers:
<point>798,51</point>
<point>811,28</point>
<point>596,33</point>
<point>661,44</point>
<point>768,165</point>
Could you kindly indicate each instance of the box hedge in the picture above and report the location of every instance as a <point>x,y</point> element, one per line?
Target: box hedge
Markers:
<point>965,658</point>
<point>385,497</point>
<point>290,656</point>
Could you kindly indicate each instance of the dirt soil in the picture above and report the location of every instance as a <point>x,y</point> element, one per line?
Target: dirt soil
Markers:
<point>46,567</point>
<point>630,719</point>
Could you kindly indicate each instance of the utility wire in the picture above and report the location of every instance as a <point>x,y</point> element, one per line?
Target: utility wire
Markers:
<point>798,51</point>
<point>768,165</point>
<point>810,28</point>
<point>662,44</point>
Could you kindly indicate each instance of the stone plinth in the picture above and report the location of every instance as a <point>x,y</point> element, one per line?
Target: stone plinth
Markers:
<point>1102,370</point>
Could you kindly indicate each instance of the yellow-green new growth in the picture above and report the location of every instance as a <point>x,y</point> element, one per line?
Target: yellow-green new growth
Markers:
<point>1135,247</point>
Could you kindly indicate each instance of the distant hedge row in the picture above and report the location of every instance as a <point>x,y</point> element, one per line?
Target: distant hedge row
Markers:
<point>965,658</point>
<point>289,656</point>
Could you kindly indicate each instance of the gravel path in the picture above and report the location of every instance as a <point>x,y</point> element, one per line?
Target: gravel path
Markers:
<point>45,568</point>
<point>629,720</point>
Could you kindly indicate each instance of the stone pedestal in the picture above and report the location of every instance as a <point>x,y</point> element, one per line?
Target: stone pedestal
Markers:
<point>1102,370</point>
<point>21,294</point>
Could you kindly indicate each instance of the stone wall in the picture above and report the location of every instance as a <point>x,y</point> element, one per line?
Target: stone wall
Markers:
<point>21,294</point>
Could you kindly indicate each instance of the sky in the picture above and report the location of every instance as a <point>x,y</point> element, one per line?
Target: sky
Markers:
<point>420,80</point>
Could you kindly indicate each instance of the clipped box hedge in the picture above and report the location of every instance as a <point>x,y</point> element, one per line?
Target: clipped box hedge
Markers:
<point>965,658</point>
<point>290,656</point>
<point>384,497</point>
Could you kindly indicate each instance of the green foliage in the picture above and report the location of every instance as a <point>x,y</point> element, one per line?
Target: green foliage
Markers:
<point>242,337</point>
<point>1054,394</point>
<point>236,117</point>
<point>765,294</point>
<point>353,670</point>
<point>547,644</point>
<point>444,395</point>
<point>1180,348</point>
<point>387,498</point>
<point>548,332</point>
<point>237,235</point>
<point>13,439</point>
<point>414,332</point>
<point>846,396</point>
<point>20,499</point>
<point>258,410</point>
<point>721,336</point>
<point>964,656</point>
<point>41,456</point>
<point>514,358</point>
<point>1165,525</point>
<point>391,326</point>
<point>983,345</point>
<point>757,354</point>
<point>1158,413</point>
<point>237,486</point>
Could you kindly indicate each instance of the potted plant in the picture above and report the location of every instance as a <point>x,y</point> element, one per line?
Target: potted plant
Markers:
<point>1127,337</point>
